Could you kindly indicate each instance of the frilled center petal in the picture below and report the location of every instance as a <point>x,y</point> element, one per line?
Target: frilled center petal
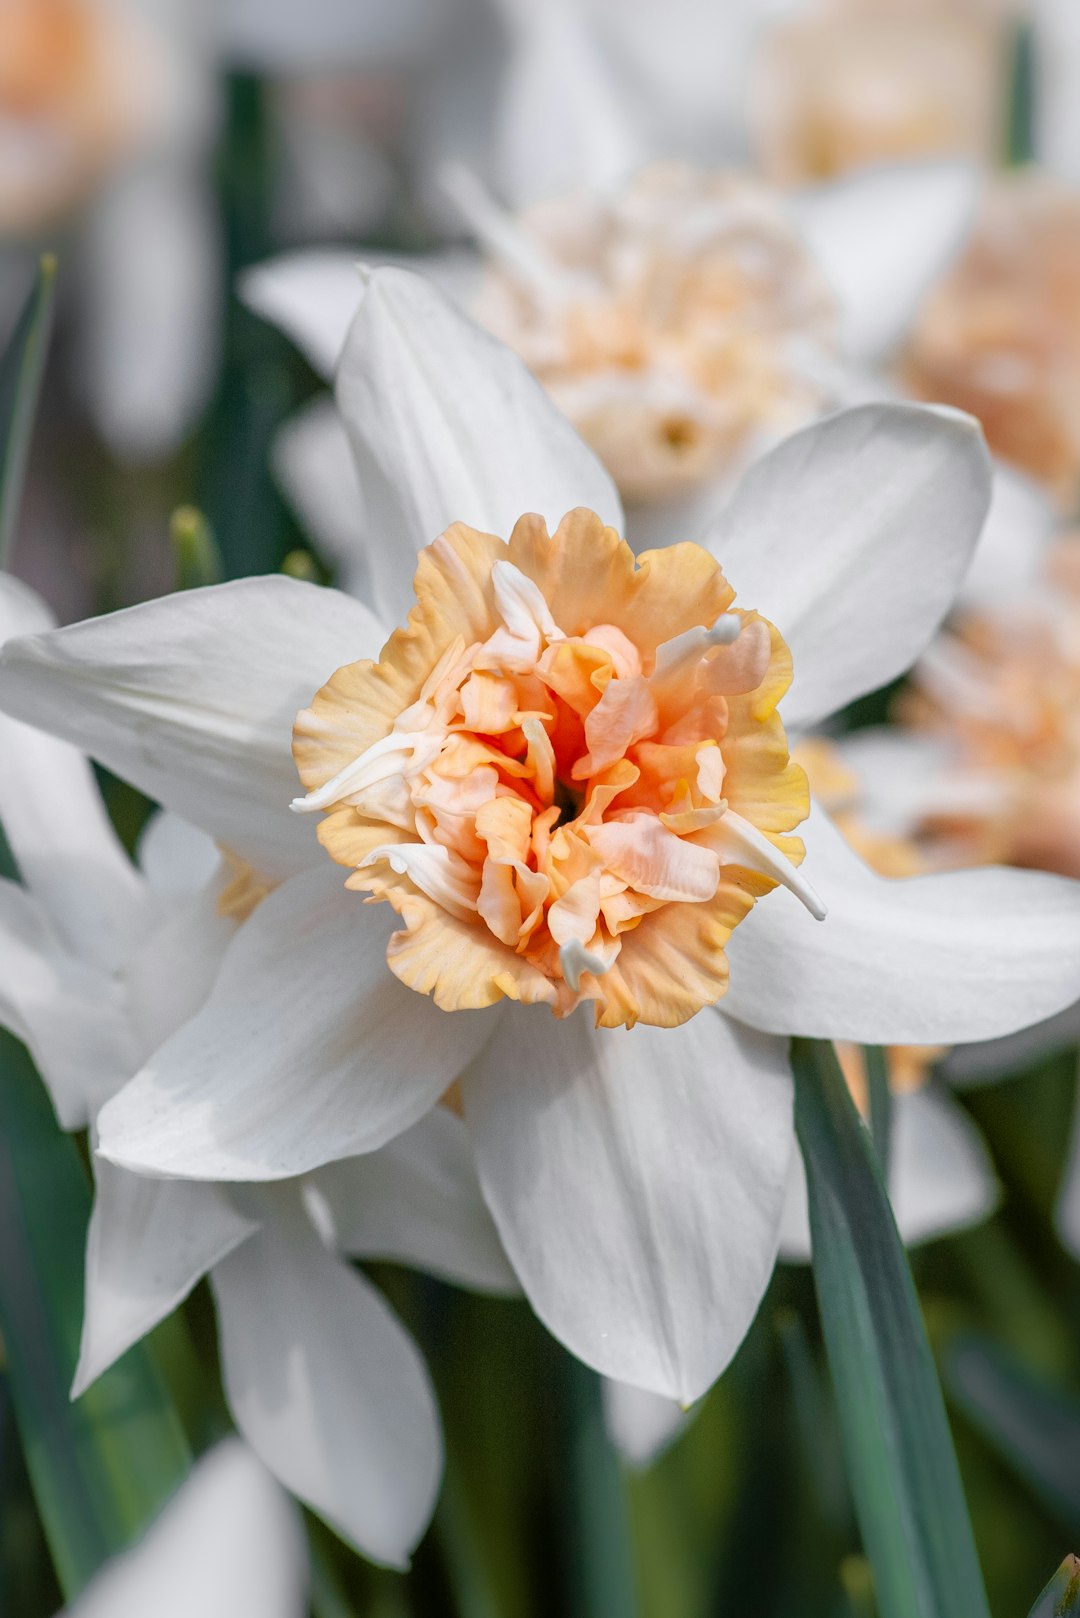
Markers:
<point>566,773</point>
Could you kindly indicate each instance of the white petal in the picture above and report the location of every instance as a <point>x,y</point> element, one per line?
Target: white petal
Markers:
<point>882,238</point>
<point>313,295</point>
<point>902,775</point>
<point>637,1181</point>
<point>192,698</point>
<point>1020,525</point>
<point>940,1175</point>
<point>313,462</point>
<point>148,1243</point>
<point>923,960</point>
<point>228,1545</point>
<point>418,1201</point>
<point>309,1049</point>
<point>971,1065</point>
<point>151,273</point>
<point>1057,105</point>
<point>55,822</point>
<point>448,425</point>
<point>327,1386</point>
<point>70,1016</point>
<point>641,1425</point>
<point>853,536</point>
<point>176,858</point>
<point>1067,1214</point>
<point>594,141</point>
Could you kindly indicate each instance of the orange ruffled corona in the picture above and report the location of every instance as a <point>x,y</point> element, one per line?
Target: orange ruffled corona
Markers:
<point>566,773</point>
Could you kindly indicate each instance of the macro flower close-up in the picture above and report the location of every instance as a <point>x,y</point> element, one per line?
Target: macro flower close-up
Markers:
<point>539,825</point>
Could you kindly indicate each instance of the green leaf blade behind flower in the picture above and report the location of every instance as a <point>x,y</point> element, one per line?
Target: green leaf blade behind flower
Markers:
<point>21,369</point>
<point>102,1467</point>
<point>903,1472</point>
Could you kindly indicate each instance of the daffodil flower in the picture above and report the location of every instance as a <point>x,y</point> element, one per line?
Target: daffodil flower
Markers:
<point>636,1174</point>
<point>229,1543</point>
<point>102,960</point>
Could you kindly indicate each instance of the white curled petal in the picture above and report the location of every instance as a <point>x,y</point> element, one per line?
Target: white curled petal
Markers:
<point>55,822</point>
<point>308,1049</point>
<point>192,698</point>
<point>418,1201</point>
<point>447,425</point>
<point>940,1175</point>
<point>148,1243</point>
<point>70,1017</point>
<point>882,238</point>
<point>228,1545</point>
<point>641,1425</point>
<point>313,295</point>
<point>327,1386</point>
<point>637,1184</point>
<point>853,536</point>
<point>922,960</point>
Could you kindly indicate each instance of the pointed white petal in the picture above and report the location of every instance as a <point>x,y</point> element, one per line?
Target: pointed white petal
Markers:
<point>882,238</point>
<point>308,1049</point>
<point>327,1386</point>
<point>637,1182</point>
<point>595,141</point>
<point>55,822</point>
<point>448,425</point>
<point>853,536</point>
<point>192,698</point>
<point>641,1425</point>
<point>148,1243</point>
<point>924,960</point>
<point>313,295</point>
<point>418,1201</point>
<point>228,1545</point>
<point>940,1175</point>
<point>70,1016</point>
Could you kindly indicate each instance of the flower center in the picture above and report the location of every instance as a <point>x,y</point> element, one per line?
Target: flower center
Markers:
<point>566,773</point>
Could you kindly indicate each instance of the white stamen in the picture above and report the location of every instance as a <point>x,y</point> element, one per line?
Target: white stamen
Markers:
<point>738,840</point>
<point>450,881</point>
<point>386,757</point>
<point>575,959</point>
<point>691,646</point>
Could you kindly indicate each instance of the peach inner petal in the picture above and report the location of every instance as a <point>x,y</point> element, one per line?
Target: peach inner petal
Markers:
<point>538,773</point>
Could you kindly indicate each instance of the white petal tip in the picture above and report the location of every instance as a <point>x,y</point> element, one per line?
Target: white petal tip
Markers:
<point>575,960</point>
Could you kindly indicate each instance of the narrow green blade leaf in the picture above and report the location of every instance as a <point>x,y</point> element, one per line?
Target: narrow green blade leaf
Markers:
<point>904,1478</point>
<point>101,1468</point>
<point>21,370</point>
<point>1033,1425</point>
<point>1061,1598</point>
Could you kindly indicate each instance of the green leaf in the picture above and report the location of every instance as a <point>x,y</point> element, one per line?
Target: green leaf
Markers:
<point>1061,1598</point>
<point>21,370</point>
<point>103,1467</point>
<point>877,1086</point>
<point>904,1478</point>
<point>1034,1425</point>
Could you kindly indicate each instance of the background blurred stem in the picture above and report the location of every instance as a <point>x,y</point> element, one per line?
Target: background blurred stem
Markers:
<point>21,370</point>
<point>601,1554</point>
